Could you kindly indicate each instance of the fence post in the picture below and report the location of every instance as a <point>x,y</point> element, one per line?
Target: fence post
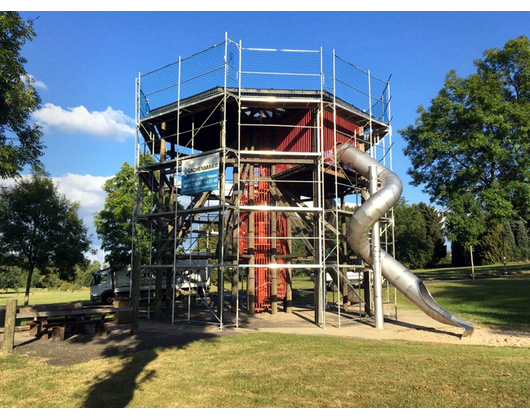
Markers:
<point>9,325</point>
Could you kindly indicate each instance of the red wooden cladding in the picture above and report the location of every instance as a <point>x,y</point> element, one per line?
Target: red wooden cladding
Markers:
<point>347,132</point>
<point>299,136</point>
<point>262,240</point>
<point>295,139</point>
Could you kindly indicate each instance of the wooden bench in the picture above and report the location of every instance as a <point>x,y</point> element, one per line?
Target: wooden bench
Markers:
<point>44,320</point>
<point>47,320</point>
<point>43,326</point>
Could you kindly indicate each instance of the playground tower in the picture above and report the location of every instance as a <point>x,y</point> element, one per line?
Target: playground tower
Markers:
<point>237,174</point>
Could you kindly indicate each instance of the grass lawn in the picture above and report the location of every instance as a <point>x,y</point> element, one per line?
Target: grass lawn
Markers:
<point>277,370</point>
<point>45,296</point>
<point>40,297</point>
<point>492,299</point>
<point>488,271</point>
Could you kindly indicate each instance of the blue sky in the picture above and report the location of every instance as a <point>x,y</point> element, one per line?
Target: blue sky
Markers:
<point>85,65</point>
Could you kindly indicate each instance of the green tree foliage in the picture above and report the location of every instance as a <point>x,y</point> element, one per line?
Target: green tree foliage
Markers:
<point>434,233</point>
<point>20,143</point>
<point>460,256</point>
<point>82,278</point>
<point>418,234</point>
<point>490,247</point>
<point>11,277</point>
<point>84,274</point>
<point>14,277</point>
<point>521,238</point>
<point>512,251</point>
<point>410,235</point>
<point>40,229</point>
<point>474,138</point>
<point>114,223</point>
<point>465,222</point>
<point>509,239</point>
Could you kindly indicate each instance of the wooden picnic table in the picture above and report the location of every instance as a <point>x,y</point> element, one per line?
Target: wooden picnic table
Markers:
<point>55,318</point>
<point>45,320</point>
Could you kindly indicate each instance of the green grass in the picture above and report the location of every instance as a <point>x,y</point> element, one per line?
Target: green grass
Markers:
<point>486,271</point>
<point>42,297</point>
<point>492,299</point>
<point>45,296</point>
<point>276,370</point>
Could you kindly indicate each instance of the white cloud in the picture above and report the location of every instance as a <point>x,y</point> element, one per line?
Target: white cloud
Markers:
<point>37,84</point>
<point>87,191</point>
<point>106,124</point>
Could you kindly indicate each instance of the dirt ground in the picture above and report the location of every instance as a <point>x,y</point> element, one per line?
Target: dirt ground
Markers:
<point>410,325</point>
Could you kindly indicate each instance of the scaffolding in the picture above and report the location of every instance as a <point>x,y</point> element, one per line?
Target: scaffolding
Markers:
<point>239,187</point>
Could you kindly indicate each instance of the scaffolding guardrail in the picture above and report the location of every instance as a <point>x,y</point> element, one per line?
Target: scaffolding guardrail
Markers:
<point>312,72</point>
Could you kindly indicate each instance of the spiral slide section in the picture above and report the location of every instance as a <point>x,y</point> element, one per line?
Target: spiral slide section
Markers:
<point>367,215</point>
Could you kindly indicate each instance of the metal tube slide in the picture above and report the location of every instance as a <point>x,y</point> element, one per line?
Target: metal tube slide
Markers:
<point>368,214</point>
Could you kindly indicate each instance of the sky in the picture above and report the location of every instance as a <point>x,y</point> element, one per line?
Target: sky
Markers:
<point>85,65</point>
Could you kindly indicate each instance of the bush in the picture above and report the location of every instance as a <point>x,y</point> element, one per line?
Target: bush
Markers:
<point>65,286</point>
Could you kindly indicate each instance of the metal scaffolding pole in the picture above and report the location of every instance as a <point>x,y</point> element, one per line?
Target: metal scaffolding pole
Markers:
<point>176,199</point>
<point>376,256</point>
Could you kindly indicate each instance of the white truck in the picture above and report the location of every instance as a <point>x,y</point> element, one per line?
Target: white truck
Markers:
<point>354,278</point>
<point>108,284</point>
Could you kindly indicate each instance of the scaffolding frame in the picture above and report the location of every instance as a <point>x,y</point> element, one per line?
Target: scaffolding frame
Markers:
<point>225,92</point>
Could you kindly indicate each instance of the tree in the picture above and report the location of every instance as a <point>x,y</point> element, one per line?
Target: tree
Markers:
<point>434,233</point>
<point>10,277</point>
<point>474,138</point>
<point>419,237</point>
<point>40,229</point>
<point>465,223</point>
<point>512,252</point>
<point>84,275</point>
<point>20,143</point>
<point>492,248</point>
<point>114,224</point>
<point>412,246</point>
<point>521,237</point>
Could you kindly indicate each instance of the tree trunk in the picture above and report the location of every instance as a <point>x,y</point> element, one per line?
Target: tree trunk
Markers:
<point>28,285</point>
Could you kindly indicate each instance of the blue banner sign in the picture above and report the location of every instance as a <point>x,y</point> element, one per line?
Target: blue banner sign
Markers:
<point>200,174</point>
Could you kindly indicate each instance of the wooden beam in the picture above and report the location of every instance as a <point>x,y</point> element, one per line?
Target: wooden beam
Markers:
<point>9,325</point>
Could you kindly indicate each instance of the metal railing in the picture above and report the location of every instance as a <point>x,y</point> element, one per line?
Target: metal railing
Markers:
<point>298,72</point>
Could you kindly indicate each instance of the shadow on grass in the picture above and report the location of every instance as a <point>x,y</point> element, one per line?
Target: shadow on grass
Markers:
<point>116,389</point>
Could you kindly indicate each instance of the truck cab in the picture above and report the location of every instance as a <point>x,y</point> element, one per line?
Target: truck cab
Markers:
<point>102,286</point>
<point>108,284</point>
